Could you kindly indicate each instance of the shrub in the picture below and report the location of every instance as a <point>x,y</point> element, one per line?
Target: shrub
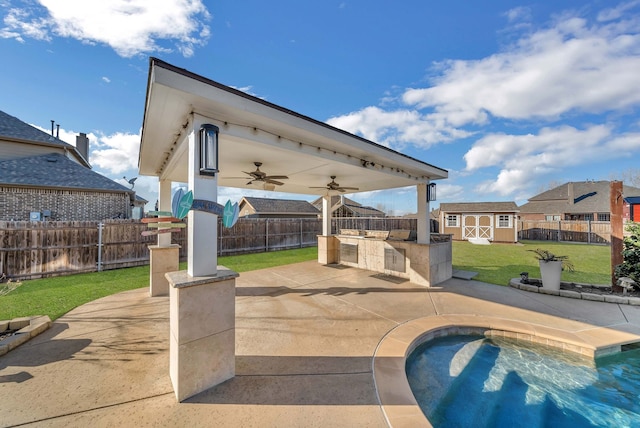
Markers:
<point>630,267</point>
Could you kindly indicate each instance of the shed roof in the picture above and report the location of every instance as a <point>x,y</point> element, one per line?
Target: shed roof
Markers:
<point>479,207</point>
<point>252,130</point>
<point>54,170</point>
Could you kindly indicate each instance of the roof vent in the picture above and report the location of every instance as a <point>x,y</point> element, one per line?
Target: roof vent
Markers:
<point>52,159</point>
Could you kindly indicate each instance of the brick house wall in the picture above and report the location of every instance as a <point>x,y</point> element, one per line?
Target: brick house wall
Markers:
<point>16,204</point>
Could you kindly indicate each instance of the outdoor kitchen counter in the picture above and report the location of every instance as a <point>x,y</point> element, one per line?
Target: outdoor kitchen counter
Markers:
<point>423,264</point>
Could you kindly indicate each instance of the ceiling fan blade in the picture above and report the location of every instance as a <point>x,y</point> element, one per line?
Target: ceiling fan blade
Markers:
<point>320,187</point>
<point>277,183</point>
<point>276,177</point>
<point>350,188</point>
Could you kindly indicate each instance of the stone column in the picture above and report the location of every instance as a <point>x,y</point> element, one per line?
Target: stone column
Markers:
<point>162,259</point>
<point>202,331</point>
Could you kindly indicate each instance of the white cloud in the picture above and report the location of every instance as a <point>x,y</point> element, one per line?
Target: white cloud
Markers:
<point>521,159</point>
<point>106,79</point>
<point>397,128</point>
<point>618,11</point>
<point>130,27</point>
<point>558,79</point>
<point>114,153</point>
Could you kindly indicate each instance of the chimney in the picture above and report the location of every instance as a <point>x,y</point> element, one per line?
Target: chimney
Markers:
<point>82,145</point>
<point>570,194</point>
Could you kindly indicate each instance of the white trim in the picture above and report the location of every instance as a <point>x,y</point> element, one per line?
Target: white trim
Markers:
<point>509,220</point>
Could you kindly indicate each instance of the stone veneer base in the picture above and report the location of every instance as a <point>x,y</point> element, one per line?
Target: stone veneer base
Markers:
<point>202,331</point>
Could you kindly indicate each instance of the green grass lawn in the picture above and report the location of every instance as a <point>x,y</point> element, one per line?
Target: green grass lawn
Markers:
<point>495,263</point>
<point>56,296</point>
<point>498,263</point>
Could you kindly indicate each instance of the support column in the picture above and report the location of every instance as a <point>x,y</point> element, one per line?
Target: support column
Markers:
<point>616,204</point>
<point>326,215</point>
<point>163,257</point>
<point>203,227</point>
<point>164,204</point>
<point>327,243</point>
<point>424,229</point>
<point>202,331</point>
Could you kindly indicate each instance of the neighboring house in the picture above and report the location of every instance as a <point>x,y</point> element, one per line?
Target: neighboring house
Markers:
<point>44,178</point>
<point>631,210</point>
<point>345,207</point>
<point>250,207</point>
<point>493,221</point>
<point>582,200</point>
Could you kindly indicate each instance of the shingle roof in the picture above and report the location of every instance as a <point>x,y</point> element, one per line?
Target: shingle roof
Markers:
<point>54,170</point>
<point>479,207</point>
<point>280,206</point>
<point>334,200</point>
<point>363,211</point>
<point>588,197</point>
<point>14,129</point>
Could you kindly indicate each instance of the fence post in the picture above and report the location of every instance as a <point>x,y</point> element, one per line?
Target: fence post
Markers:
<point>300,233</point>
<point>589,231</point>
<point>559,230</point>
<point>266,235</point>
<point>100,225</point>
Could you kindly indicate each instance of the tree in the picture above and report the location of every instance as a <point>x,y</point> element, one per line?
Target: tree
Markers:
<point>629,176</point>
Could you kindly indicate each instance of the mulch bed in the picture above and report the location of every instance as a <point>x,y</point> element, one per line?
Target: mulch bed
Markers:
<point>586,288</point>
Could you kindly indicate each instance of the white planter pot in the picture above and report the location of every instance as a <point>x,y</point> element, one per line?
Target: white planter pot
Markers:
<point>551,273</point>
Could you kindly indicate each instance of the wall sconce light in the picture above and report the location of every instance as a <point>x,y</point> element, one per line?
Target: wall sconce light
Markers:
<point>208,149</point>
<point>431,192</point>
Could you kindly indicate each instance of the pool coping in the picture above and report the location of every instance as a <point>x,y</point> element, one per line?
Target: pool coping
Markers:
<point>398,404</point>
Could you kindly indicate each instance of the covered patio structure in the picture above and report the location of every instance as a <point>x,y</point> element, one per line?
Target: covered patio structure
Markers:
<point>252,133</point>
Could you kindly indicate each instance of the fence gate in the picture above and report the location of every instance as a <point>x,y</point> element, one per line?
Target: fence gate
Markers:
<point>477,226</point>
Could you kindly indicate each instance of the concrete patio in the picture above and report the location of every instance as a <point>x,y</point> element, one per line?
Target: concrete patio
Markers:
<point>306,335</point>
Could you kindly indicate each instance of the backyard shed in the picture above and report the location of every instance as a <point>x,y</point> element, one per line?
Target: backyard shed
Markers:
<point>480,221</point>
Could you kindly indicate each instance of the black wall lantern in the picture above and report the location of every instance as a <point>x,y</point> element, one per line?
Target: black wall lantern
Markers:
<point>431,192</point>
<point>208,149</point>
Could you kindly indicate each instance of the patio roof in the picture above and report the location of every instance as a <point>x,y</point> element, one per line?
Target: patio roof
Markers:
<point>287,143</point>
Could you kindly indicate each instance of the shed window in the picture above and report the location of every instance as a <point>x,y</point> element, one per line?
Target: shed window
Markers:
<point>504,221</point>
<point>452,221</point>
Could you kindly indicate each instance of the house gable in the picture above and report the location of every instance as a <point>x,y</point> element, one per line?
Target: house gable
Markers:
<point>266,207</point>
<point>19,139</point>
<point>573,200</point>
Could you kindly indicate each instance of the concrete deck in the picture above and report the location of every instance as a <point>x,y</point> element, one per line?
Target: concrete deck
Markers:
<point>306,335</point>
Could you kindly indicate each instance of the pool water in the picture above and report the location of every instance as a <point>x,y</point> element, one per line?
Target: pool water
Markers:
<point>473,381</point>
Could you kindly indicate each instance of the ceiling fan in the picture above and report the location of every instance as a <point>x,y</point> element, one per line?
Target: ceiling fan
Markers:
<point>332,185</point>
<point>259,176</point>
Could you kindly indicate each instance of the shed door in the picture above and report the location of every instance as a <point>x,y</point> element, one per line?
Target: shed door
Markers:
<point>477,226</point>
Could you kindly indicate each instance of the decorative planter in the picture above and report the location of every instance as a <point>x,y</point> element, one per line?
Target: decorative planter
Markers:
<point>551,273</point>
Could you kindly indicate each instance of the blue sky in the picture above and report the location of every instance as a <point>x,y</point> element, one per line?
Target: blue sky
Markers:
<point>511,98</point>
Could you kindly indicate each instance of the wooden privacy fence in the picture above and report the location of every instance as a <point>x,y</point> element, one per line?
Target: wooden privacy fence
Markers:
<point>39,249</point>
<point>592,232</point>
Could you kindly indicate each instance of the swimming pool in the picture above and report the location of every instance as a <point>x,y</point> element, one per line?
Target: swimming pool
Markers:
<point>477,381</point>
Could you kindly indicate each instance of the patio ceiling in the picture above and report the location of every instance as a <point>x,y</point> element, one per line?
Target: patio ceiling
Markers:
<point>252,130</point>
